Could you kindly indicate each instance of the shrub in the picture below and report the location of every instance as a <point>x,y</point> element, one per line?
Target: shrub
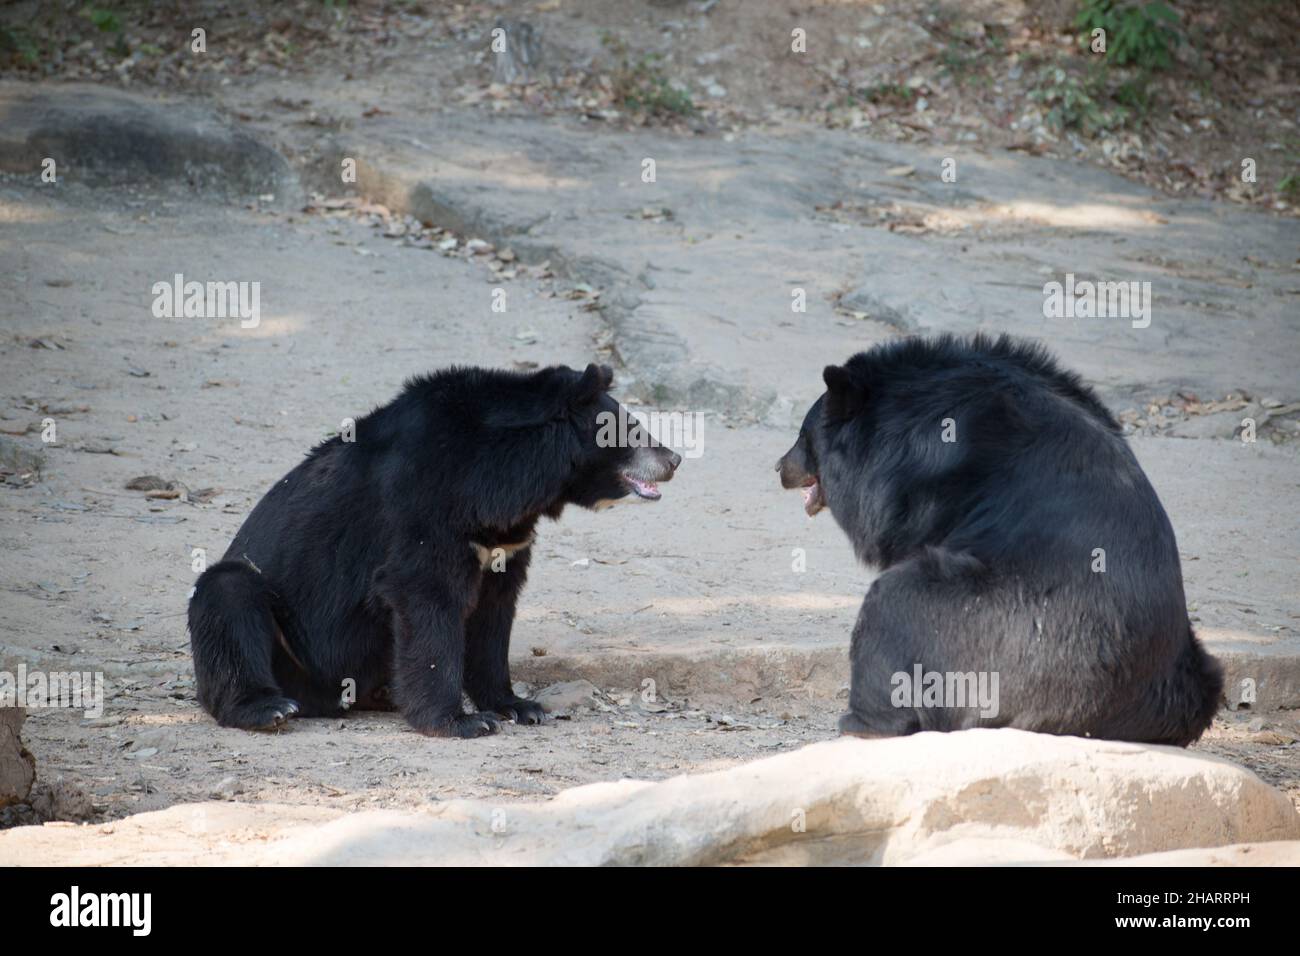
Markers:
<point>1137,34</point>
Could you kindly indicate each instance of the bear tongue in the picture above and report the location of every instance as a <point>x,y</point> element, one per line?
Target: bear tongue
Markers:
<point>646,489</point>
<point>813,501</point>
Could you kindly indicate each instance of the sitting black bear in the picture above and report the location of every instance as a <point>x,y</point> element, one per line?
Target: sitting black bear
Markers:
<point>1018,540</point>
<point>388,567</point>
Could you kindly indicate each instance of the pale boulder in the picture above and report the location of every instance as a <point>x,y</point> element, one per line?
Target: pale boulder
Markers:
<point>980,796</point>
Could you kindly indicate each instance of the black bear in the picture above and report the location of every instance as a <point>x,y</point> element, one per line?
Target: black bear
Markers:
<point>386,568</point>
<point>1029,575</point>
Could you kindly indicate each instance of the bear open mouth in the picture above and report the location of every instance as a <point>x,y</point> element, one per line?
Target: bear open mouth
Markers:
<point>813,499</point>
<point>642,488</point>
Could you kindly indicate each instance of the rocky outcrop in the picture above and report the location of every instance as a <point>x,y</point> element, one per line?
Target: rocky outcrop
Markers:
<point>980,796</point>
<point>104,137</point>
<point>17,766</point>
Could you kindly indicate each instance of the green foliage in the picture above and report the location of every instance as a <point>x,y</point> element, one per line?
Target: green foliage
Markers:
<point>957,61</point>
<point>16,41</point>
<point>1137,34</point>
<point>642,86</point>
<point>1290,187</point>
<point>1141,36</point>
<point>889,94</point>
<point>105,20</point>
<point>1135,95</point>
<point>1075,104</point>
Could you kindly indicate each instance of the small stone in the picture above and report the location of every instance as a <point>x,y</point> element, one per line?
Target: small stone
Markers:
<point>1217,425</point>
<point>98,723</point>
<point>569,695</point>
<point>1272,738</point>
<point>225,789</point>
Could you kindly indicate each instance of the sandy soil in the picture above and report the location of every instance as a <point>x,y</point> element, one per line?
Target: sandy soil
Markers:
<point>96,575</point>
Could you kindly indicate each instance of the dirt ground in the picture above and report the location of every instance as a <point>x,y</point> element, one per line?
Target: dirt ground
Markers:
<point>95,576</point>
<point>986,74</point>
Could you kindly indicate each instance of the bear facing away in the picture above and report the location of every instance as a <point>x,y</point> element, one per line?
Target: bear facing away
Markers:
<point>1021,549</point>
<point>390,565</point>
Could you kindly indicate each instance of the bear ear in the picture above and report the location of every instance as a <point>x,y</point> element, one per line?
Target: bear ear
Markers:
<point>845,397</point>
<point>594,381</point>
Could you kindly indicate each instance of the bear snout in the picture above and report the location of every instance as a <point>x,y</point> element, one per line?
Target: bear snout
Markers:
<point>794,474</point>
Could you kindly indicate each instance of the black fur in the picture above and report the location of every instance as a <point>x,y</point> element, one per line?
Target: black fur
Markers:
<point>986,545</point>
<point>365,562</point>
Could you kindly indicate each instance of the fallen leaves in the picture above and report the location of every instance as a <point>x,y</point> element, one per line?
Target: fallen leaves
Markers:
<point>406,230</point>
<point>156,487</point>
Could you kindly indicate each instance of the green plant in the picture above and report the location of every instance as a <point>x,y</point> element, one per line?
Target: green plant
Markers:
<point>642,86</point>
<point>1290,187</point>
<point>106,21</point>
<point>1075,104</point>
<point>16,41</point>
<point>1138,34</point>
<point>1135,95</point>
<point>890,94</point>
<point>956,61</point>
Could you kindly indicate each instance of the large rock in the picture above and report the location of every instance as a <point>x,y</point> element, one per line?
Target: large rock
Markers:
<point>17,766</point>
<point>105,137</point>
<point>1003,795</point>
